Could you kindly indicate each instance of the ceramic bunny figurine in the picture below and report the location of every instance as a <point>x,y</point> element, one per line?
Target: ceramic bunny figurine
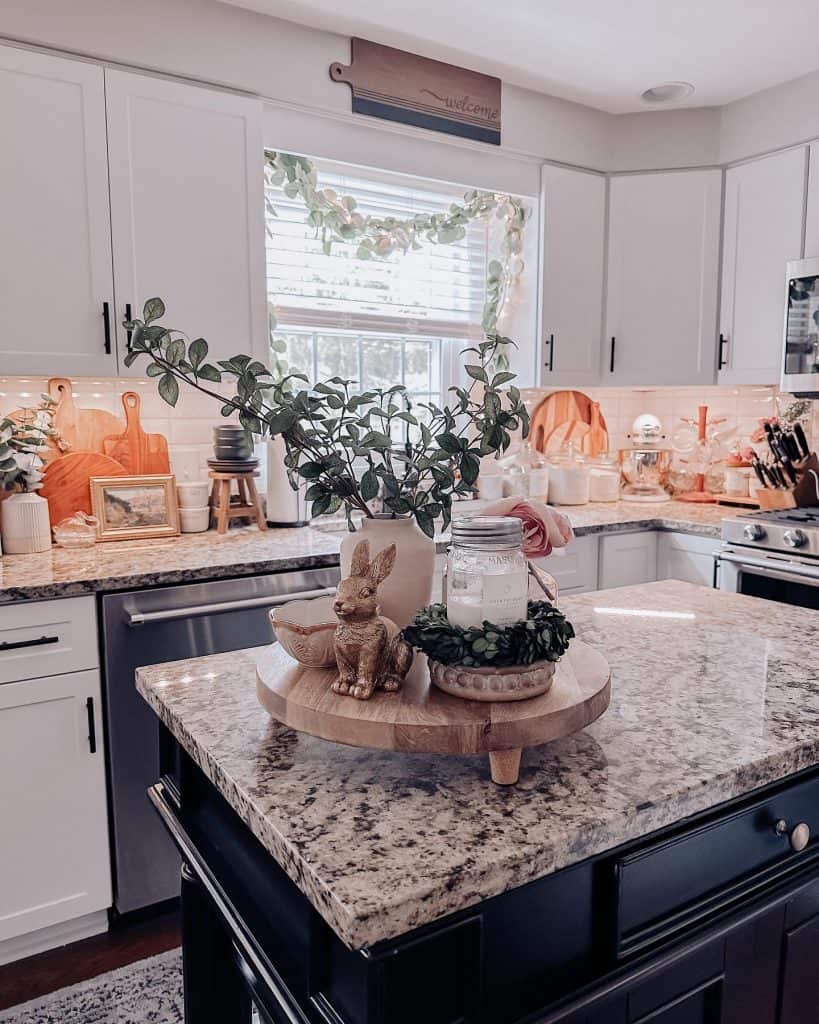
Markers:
<point>369,650</point>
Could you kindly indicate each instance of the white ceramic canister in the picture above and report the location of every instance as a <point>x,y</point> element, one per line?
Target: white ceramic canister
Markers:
<point>194,520</point>
<point>25,524</point>
<point>737,481</point>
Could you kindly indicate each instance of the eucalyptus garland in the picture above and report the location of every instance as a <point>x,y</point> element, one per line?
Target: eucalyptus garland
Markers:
<point>543,636</point>
<point>337,219</point>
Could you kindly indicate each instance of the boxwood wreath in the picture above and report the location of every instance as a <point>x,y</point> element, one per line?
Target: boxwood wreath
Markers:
<point>337,219</point>
<point>543,636</point>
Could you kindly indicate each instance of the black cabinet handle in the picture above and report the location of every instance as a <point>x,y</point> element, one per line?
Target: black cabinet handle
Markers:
<point>611,357</point>
<point>723,341</point>
<point>128,334</point>
<point>551,352</point>
<point>16,645</point>
<point>92,729</point>
<point>106,323</point>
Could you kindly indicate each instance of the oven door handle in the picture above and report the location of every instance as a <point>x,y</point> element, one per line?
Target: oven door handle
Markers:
<point>271,600</point>
<point>786,571</point>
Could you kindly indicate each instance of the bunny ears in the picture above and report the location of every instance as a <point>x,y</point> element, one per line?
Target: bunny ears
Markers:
<point>377,570</point>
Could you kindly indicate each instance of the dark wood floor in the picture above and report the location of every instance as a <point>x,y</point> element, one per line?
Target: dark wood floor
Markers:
<point>123,944</point>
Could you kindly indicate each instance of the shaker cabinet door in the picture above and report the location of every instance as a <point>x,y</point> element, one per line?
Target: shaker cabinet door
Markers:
<point>663,266</point>
<point>55,257</point>
<point>52,790</point>
<point>187,211</point>
<point>762,231</point>
<point>573,246</point>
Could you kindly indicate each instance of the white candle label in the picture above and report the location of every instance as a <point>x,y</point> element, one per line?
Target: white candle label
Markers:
<point>504,598</point>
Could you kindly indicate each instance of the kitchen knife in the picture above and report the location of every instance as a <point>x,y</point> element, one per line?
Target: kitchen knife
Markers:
<point>760,474</point>
<point>801,440</point>
<point>786,466</point>
<point>790,445</point>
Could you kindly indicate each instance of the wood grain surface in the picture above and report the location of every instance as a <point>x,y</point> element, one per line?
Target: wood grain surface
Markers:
<point>66,482</point>
<point>421,718</point>
<point>139,453</point>
<point>565,413</point>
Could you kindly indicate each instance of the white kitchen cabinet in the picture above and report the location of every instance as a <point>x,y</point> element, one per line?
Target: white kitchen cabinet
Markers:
<point>762,231</point>
<point>55,860</point>
<point>663,266</point>
<point>573,225</point>
<point>812,210</point>
<point>187,210</point>
<point>55,260</point>
<point>627,558</point>
<point>681,556</point>
<point>574,567</point>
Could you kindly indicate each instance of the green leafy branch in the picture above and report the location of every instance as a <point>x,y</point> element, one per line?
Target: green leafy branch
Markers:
<point>347,444</point>
<point>338,219</point>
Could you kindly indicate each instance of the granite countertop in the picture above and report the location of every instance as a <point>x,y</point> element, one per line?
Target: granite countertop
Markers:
<point>710,700</point>
<point>246,552</point>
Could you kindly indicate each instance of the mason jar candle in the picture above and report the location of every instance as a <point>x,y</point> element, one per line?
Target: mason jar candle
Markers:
<point>487,574</point>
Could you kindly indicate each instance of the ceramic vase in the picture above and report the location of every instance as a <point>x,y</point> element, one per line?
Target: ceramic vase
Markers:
<point>25,524</point>
<point>409,585</point>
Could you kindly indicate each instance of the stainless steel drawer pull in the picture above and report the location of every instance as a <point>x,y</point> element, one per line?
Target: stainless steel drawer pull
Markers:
<point>798,836</point>
<point>16,645</point>
<point>171,614</point>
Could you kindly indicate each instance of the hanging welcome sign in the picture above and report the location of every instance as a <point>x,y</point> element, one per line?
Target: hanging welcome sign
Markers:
<point>400,86</point>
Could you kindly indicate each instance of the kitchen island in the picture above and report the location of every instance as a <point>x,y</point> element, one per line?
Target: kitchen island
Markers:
<point>659,865</point>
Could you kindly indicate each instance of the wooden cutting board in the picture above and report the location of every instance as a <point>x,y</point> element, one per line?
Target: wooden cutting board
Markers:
<point>66,482</point>
<point>82,429</point>
<point>597,438</point>
<point>138,452</point>
<point>557,409</point>
<point>572,431</point>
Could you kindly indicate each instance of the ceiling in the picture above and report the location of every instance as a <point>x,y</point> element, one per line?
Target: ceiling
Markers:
<point>603,53</point>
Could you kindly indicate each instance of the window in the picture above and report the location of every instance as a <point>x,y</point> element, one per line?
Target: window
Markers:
<point>381,322</point>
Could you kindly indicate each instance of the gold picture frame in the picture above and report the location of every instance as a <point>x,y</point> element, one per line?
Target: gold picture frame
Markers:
<point>135,507</point>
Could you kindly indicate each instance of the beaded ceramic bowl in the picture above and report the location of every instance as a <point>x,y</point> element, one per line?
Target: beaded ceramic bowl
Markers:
<point>517,682</point>
<point>305,630</point>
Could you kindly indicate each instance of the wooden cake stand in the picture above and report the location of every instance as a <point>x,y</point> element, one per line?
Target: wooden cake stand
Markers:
<point>420,718</point>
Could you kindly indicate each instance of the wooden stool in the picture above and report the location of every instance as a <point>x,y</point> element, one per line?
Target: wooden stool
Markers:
<point>249,505</point>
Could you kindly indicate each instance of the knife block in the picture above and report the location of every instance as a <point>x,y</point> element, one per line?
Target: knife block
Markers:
<point>768,498</point>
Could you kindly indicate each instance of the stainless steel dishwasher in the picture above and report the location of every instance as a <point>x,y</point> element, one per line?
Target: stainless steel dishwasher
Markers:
<point>146,627</point>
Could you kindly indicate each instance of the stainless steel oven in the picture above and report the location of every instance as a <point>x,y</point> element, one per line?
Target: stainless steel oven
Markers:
<point>772,575</point>
<point>800,364</point>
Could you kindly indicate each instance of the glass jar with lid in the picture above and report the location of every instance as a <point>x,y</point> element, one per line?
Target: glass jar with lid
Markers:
<point>487,573</point>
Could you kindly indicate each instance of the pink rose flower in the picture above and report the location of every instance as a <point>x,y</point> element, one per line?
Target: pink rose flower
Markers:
<point>543,527</point>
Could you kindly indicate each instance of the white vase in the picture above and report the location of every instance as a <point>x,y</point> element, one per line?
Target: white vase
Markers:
<point>25,524</point>
<point>409,585</point>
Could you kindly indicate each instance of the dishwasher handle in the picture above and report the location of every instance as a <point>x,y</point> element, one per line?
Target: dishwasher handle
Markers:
<point>269,601</point>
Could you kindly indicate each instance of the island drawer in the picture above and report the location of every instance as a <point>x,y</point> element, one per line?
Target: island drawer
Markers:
<point>46,638</point>
<point>677,881</point>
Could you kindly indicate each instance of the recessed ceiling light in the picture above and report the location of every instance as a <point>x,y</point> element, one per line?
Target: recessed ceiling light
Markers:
<point>668,92</point>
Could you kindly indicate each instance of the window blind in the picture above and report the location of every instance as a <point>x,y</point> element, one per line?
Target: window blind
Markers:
<point>437,291</point>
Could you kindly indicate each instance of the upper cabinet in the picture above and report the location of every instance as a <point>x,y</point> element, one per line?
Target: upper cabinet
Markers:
<point>812,211</point>
<point>55,262</point>
<point>573,219</point>
<point>663,268</point>
<point>764,211</point>
<point>187,210</point>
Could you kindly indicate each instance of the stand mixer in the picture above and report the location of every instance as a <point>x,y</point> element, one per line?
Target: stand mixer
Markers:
<point>644,466</point>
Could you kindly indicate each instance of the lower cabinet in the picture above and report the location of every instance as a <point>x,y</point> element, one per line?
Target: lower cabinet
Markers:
<point>627,558</point>
<point>55,859</point>
<point>681,556</point>
<point>574,567</point>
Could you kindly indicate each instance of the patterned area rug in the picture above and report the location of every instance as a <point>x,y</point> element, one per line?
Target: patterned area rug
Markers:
<point>147,992</point>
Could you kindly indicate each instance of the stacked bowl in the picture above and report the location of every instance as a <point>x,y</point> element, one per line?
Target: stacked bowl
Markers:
<point>232,450</point>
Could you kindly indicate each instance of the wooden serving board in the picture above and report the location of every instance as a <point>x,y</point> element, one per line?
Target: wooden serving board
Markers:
<point>420,718</point>
<point>81,430</point>
<point>546,433</point>
<point>66,482</point>
<point>139,453</point>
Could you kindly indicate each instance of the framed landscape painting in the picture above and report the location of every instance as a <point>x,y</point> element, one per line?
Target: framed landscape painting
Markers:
<point>130,507</point>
